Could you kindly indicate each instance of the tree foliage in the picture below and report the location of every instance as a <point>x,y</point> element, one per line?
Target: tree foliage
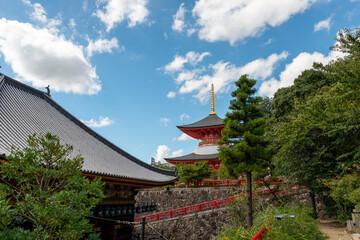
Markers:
<point>43,194</point>
<point>315,128</point>
<point>242,146</point>
<point>193,172</point>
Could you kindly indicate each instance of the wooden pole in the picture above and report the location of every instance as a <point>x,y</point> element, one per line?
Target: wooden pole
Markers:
<point>143,229</point>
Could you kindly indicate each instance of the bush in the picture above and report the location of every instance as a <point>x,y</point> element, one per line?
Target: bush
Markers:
<point>193,172</point>
<point>346,193</point>
<point>302,227</point>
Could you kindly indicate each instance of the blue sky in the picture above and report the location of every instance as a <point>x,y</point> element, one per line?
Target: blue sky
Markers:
<point>135,69</point>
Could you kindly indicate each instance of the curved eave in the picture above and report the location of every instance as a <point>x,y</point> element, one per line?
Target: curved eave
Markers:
<point>196,132</point>
<point>129,182</point>
<point>194,157</point>
<point>212,120</point>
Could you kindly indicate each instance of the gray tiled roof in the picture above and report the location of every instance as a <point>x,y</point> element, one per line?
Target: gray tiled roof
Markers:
<point>194,157</point>
<point>210,121</point>
<point>25,111</point>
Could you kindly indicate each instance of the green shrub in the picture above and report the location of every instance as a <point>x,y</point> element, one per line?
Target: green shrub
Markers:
<point>193,172</point>
<point>302,227</point>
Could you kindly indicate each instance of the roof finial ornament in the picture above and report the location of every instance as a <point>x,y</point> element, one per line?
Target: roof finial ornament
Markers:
<point>212,100</point>
<point>48,91</point>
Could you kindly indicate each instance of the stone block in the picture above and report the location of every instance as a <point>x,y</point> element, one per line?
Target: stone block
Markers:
<point>356,218</point>
<point>350,226</point>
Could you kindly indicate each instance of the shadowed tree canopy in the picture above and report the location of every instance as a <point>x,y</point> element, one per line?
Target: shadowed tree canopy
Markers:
<point>43,193</point>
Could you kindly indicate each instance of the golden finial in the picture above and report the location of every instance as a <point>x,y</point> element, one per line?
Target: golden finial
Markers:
<point>212,100</point>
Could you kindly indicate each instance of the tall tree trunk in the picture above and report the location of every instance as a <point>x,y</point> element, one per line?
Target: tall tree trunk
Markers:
<point>249,212</point>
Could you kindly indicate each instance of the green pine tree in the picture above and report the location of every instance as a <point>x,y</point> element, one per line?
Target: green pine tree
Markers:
<point>242,147</point>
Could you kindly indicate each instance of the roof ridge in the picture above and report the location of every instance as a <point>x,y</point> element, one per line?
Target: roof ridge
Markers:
<point>117,149</point>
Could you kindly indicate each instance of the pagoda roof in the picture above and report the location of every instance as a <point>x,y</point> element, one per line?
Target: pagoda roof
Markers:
<point>194,157</point>
<point>25,110</point>
<point>212,120</point>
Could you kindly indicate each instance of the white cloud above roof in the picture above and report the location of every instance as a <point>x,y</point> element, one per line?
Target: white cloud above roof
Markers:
<point>117,11</point>
<point>164,151</point>
<point>179,19</point>
<point>41,57</point>
<point>292,70</point>
<point>171,94</point>
<point>102,122</point>
<point>184,116</point>
<point>191,57</point>
<point>323,25</point>
<point>165,121</point>
<point>198,79</point>
<point>102,46</point>
<point>237,20</point>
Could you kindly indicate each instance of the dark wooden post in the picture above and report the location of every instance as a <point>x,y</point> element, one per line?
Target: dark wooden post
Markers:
<point>143,229</point>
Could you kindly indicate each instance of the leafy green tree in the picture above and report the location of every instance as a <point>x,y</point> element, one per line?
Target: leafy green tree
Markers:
<point>346,193</point>
<point>242,147</point>
<point>193,172</point>
<point>165,166</point>
<point>319,135</point>
<point>43,194</point>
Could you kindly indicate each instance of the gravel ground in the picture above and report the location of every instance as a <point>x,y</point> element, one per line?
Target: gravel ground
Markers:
<point>334,230</point>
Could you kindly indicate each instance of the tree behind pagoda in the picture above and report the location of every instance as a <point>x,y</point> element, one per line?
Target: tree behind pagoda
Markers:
<point>242,146</point>
<point>43,194</point>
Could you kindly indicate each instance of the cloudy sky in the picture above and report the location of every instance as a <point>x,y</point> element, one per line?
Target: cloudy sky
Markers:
<point>135,69</point>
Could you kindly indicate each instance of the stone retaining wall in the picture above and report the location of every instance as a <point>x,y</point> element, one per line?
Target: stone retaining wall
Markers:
<point>202,225</point>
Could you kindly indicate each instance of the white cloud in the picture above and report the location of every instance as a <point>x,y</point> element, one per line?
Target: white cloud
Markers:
<point>185,137</point>
<point>103,122</point>
<point>165,36</point>
<point>177,153</point>
<point>191,57</point>
<point>27,2</point>
<point>323,25</point>
<point>165,121</point>
<point>236,20</point>
<point>184,116</point>
<point>268,42</point>
<point>117,11</point>
<point>179,17</point>
<point>164,151</point>
<point>171,94</point>
<point>292,70</point>
<point>191,31</point>
<point>72,23</point>
<point>85,5</point>
<point>43,58</point>
<point>101,46</point>
<point>39,13</point>
<point>221,74</point>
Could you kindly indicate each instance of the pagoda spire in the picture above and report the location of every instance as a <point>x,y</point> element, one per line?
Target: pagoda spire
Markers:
<point>212,100</point>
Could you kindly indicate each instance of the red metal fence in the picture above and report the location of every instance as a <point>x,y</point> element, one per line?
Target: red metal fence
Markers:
<point>222,183</point>
<point>207,205</point>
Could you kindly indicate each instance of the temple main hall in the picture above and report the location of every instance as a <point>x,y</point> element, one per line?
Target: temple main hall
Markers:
<point>208,130</point>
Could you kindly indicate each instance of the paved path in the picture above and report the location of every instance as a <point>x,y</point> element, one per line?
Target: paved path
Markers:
<point>334,230</point>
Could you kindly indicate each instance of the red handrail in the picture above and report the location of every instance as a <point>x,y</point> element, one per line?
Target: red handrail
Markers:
<point>225,182</point>
<point>206,205</point>
<point>260,234</point>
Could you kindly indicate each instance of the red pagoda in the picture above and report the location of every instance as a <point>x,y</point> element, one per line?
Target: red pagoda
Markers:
<point>208,130</point>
